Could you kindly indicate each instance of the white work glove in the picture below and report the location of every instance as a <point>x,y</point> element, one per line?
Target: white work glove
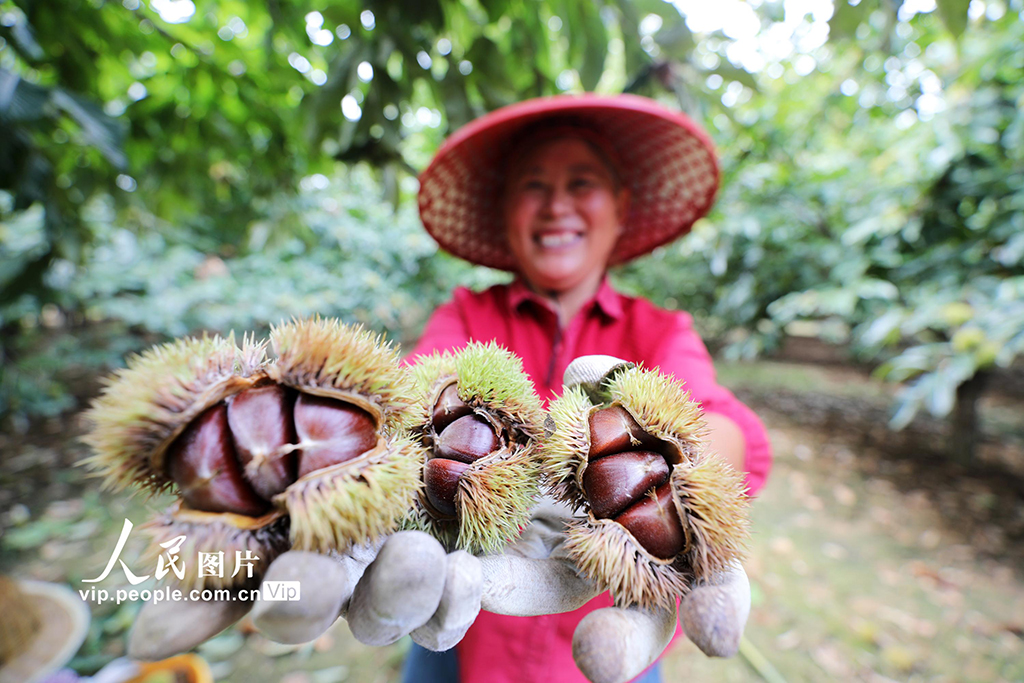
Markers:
<point>409,586</point>
<point>611,645</point>
<point>404,584</point>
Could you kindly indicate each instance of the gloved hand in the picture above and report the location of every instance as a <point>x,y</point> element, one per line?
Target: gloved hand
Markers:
<point>409,585</point>
<point>404,584</point>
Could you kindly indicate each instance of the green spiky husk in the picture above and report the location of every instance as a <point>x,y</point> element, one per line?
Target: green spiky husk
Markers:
<point>661,406</point>
<point>211,533</point>
<point>712,505</point>
<point>147,404</point>
<point>708,493</point>
<point>495,498</point>
<point>356,501</point>
<point>607,554</point>
<point>489,378</point>
<point>497,492</point>
<point>330,358</point>
<point>493,504</point>
<point>564,451</point>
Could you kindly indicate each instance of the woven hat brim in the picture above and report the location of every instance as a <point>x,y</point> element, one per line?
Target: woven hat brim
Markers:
<point>64,622</point>
<point>667,161</point>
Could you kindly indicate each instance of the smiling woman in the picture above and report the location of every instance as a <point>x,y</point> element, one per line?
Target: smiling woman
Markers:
<point>564,211</point>
<point>556,190</point>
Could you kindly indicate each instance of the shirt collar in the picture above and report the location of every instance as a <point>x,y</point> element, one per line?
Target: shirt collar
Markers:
<point>607,300</point>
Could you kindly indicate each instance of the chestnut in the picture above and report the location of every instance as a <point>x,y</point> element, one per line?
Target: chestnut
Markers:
<point>460,443</point>
<point>237,455</point>
<point>331,432</point>
<point>304,450</point>
<point>441,477</point>
<point>613,430</point>
<point>202,462</point>
<point>614,482</point>
<point>654,522</point>
<point>467,440</point>
<point>263,429</point>
<point>449,408</point>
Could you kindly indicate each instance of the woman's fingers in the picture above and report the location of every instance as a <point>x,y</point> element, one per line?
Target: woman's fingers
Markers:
<point>166,628</point>
<point>400,590</point>
<point>324,583</point>
<point>715,613</point>
<point>613,645</point>
<point>527,587</point>
<point>460,603</point>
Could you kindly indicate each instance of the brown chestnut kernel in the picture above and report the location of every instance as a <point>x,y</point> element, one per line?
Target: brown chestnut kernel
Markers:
<point>449,408</point>
<point>654,522</point>
<point>202,463</point>
<point>467,440</point>
<point>331,432</point>
<point>613,430</point>
<point>442,482</point>
<point>615,481</point>
<point>261,424</point>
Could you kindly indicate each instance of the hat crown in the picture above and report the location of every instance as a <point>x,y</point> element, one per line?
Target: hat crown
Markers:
<point>21,621</point>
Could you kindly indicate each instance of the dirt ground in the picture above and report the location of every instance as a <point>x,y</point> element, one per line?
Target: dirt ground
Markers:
<point>873,559</point>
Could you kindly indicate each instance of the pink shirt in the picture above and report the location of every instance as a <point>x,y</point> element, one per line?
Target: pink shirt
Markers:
<point>502,649</point>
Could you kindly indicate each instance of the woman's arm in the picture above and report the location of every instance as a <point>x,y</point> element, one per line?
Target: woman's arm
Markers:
<point>726,438</point>
<point>445,330</point>
<point>736,432</point>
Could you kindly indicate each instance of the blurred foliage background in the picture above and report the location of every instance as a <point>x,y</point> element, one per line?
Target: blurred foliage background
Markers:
<point>173,166</point>
<point>169,167</point>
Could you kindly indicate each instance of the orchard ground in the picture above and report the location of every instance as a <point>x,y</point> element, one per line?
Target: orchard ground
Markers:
<point>873,557</point>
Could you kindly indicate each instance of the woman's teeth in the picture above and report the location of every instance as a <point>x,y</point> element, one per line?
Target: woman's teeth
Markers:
<point>557,239</point>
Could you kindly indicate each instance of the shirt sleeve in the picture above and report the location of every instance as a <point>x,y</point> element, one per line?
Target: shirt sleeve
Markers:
<point>684,355</point>
<point>444,331</point>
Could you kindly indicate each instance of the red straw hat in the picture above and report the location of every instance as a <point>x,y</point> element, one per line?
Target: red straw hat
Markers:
<point>665,159</point>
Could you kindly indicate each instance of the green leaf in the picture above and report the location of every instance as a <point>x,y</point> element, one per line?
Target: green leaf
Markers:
<point>733,73</point>
<point>102,131</point>
<point>21,101</point>
<point>954,15</point>
<point>846,18</point>
<point>596,49</point>
<point>676,40</point>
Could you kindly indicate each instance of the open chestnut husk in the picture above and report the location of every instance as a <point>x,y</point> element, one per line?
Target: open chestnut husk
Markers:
<point>346,493</point>
<point>302,451</point>
<point>660,511</point>
<point>477,420</point>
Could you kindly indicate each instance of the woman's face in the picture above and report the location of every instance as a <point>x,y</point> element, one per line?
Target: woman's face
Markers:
<point>563,214</point>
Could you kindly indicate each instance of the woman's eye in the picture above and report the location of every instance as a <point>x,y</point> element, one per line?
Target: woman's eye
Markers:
<point>581,183</point>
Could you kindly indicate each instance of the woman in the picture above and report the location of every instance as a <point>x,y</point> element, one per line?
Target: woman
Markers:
<point>556,190</point>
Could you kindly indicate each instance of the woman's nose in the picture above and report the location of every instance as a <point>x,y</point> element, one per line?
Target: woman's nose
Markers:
<point>559,202</point>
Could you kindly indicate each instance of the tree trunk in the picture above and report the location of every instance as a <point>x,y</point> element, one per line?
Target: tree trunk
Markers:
<point>966,432</point>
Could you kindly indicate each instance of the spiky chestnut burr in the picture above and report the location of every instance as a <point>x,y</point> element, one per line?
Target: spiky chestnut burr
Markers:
<point>145,433</point>
<point>258,449</point>
<point>661,512</point>
<point>478,419</point>
<point>340,500</point>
